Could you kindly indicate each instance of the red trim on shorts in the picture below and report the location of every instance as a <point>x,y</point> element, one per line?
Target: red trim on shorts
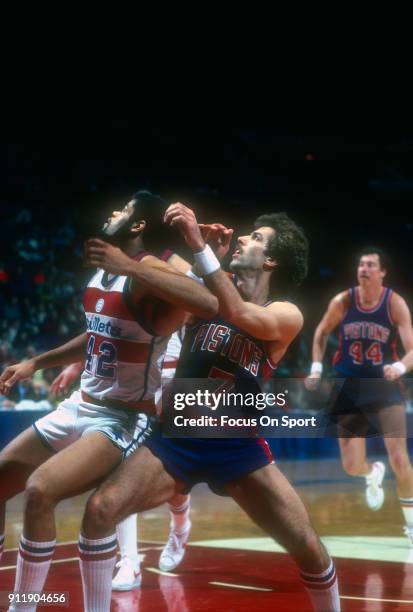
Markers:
<point>266,448</point>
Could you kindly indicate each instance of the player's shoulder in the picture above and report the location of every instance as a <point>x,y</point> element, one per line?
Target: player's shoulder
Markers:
<point>397,303</point>
<point>341,300</point>
<point>290,312</point>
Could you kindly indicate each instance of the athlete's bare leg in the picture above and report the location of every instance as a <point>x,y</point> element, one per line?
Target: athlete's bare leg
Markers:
<point>393,423</point>
<point>140,483</point>
<point>18,460</point>
<point>353,456</point>
<point>271,502</point>
<point>74,470</point>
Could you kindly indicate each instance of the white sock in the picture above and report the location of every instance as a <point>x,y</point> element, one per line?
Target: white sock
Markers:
<point>406,504</point>
<point>97,561</point>
<point>323,589</point>
<point>127,533</point>
<point>180,515</point>
<point>33,563</point>
<point>1,544</point>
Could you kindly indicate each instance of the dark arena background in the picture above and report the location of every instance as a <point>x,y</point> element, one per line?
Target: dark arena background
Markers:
<point>57,187</point>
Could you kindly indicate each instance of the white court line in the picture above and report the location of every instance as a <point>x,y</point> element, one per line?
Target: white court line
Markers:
<point>69,559</point>
<point>9,567</point>
<point>241,586</point>
<point>401,601</point>
<point>154,570</point>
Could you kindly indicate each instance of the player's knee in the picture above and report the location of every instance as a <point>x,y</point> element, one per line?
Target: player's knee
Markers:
<point>399,462</point>
<point>101,510</point>
<point>38,496</point>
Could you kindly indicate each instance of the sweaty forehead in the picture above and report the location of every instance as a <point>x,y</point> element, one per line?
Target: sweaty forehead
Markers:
<point>372,258</point>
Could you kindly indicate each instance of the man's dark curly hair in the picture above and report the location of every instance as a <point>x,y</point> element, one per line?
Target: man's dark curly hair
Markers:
<point>289,248</point>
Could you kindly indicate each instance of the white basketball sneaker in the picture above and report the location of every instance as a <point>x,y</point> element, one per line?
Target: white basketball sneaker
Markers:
<point>174,550</point>
<point>128,576</point>
<point>374,490</point>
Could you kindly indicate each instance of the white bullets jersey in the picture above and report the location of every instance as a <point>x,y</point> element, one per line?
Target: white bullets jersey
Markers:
<point>123,361</point>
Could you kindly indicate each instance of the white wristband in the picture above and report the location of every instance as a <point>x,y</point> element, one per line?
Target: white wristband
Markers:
<point>194,277</point>
<point>206,261</point>
<point>399,366</point>
<point>316,367</point>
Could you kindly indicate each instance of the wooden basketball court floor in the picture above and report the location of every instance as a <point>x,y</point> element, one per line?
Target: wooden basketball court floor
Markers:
<point>231,566</point>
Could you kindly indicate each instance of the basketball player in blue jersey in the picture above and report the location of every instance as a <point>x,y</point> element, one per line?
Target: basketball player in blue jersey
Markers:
<point>369,317</point>
<point>72,448</point>
<point>247,340</point>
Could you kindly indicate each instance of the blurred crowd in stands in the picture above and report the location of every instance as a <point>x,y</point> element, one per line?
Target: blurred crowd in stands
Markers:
<point>41,287</point>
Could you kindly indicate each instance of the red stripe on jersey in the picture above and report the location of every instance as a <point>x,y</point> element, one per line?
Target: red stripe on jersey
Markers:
<point>393,348</point>
<point>266,370</point>
<point>339,351</point>
<point>113,304</point>
<point>128,352</point>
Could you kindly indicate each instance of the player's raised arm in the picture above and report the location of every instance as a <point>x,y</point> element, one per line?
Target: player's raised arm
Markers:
<point>280,322</point>
<point>155,276</point>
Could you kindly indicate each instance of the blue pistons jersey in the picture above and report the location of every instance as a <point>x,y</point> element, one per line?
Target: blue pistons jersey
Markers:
<point>367,338</point>
<point>215,349</point>
<point>218,349</point>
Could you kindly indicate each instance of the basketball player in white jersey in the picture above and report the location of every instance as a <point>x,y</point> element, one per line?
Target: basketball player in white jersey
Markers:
<point>70,450</point>
<point>128,575</point>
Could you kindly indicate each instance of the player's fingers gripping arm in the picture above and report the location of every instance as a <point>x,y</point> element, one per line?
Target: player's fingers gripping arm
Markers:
<point>70,352</point>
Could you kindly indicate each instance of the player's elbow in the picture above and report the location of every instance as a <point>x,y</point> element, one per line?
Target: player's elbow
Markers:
<point>209,307</point>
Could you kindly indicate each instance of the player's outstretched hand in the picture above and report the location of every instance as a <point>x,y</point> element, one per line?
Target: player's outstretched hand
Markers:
<point>100,254</point>
<point>391,373</point>
<point>312,382</point>
<point>62,383</point>
<point>14,373</point>
<point>180,216</point>
<point>218,237</point>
